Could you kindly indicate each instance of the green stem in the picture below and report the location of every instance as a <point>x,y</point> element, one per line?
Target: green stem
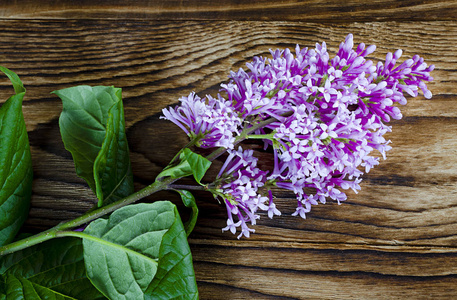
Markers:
<point>245,134</point>
<point>27,242</point>
<point>269,136</point>
<point>192,142</point>
<point>86,218</point>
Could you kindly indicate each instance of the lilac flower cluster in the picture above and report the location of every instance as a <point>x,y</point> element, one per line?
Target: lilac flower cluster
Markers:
<point>238,184</point>
<point>210,121</point>
<point>321,118</point>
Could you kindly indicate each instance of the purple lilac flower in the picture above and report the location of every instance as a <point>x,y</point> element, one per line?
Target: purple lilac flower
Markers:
<point>238,184</point>
<point>327,116</point>
<point>212,121</point>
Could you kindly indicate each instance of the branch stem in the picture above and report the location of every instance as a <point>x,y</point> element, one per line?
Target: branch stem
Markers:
<point>186,187</point>
<point>86,218</point>
<point>245,134</point>
<point>166,183</point>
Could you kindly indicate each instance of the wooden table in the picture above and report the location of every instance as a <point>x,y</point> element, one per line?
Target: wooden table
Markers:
<point>396,239</point>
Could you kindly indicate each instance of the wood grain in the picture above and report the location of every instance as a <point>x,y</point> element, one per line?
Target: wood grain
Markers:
<point>286,10</point>
<point>397,238</point>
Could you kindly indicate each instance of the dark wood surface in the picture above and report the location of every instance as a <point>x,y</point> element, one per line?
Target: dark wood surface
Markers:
<point>396,238</point>
<point>259,10</point>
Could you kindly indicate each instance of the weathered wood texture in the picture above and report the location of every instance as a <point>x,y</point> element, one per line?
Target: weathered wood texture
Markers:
<point>285,10</point>
<point>397,238</point>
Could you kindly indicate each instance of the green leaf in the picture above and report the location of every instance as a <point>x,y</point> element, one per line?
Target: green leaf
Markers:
<point>175,278</point>
<point>52,270</point>
<point>16,172</point>
<point>17,83</point>
<point>182,169</point>
<point>190,163</point>
<point>198,164</point>
<point>21,288</point>
<point>112,169</point>
<point>93,130</point>
<point>2,290</point>
<point>123,254</point>
<point>189,201</point>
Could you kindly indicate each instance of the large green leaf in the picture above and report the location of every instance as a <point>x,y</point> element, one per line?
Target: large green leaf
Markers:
<point>175,278</point>
<point>21,288</point>
<point>52,270</point>
<point>112,169</point>
<point>16,172</point>
<point>123,254</point>
<point>93,130</point>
